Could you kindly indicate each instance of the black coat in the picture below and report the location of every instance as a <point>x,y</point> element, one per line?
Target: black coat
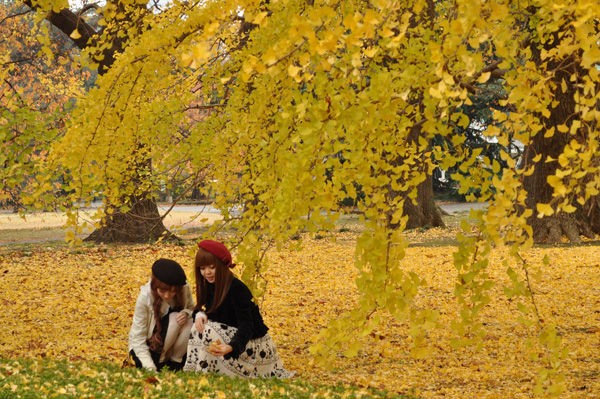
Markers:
<point>238,310</point>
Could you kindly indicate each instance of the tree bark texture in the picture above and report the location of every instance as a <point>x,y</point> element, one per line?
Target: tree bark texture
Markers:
<point>425,213</point>
<point>67,21</point>
<point>585,221</point>
<point>142,223</point>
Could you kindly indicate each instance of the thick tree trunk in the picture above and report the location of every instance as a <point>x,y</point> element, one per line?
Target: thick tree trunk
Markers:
<point>425,213</point>
<point>552,229</point>
<point>142,223</point>
<point>586,219</point>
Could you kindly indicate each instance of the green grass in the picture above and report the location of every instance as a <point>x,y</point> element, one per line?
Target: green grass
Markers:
<point>46,378</point>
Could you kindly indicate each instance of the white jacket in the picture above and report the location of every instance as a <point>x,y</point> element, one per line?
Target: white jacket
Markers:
<point>144,322</point>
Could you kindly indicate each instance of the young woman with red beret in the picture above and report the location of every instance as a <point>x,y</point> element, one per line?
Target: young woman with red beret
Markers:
<point>229,335</point>
<point>162,319</point>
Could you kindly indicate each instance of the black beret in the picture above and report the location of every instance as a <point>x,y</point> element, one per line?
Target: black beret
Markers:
<point>169,272</point>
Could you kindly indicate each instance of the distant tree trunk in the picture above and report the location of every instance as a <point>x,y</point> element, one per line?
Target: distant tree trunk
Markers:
<point>142,223</point>
<point>425,213</point>
<point>586,219</point>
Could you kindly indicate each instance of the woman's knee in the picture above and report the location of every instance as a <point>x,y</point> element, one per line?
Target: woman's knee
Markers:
<point>173,325</point>
<point>187,326</point>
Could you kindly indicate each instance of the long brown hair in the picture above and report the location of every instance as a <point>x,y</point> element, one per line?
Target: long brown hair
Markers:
<point>223,278</point>
<point>155,341</point>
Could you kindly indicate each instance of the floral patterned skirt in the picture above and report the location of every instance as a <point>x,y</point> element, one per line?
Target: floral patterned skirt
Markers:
<point>259,359</point>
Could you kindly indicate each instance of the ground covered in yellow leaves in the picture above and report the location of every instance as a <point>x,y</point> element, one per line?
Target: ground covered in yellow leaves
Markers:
<point>76,304</point>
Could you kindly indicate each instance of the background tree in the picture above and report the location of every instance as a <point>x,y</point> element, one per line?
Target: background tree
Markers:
<point>135,217</point>
<point>565,176</point>
<point>129,212</point>
<point>120,132</point>
<point>485,99</point>
<point>38,84</point>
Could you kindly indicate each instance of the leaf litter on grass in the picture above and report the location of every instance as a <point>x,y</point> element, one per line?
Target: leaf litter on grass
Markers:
<point>77,305</point>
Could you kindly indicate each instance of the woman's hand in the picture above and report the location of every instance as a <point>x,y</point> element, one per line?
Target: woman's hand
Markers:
<point>201,320</point>
<point>217,348</point>
<point>182,318</point>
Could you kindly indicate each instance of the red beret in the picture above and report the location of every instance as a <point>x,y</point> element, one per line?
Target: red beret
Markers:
<point>217,249</point>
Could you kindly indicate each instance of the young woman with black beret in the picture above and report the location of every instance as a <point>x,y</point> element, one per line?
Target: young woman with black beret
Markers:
<point>162,318</point>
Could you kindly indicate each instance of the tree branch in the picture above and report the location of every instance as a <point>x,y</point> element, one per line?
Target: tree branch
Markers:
<point>67,21</point>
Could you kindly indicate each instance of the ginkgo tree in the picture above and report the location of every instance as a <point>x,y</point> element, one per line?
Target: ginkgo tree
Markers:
<point>310,100</point>
<point>34,96</point>
<point>129,212</point>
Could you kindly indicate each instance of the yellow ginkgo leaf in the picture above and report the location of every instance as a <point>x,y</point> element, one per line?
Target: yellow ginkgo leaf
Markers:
<point>293,70</point>
<point>75,34</point>
<point>544,210</point>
